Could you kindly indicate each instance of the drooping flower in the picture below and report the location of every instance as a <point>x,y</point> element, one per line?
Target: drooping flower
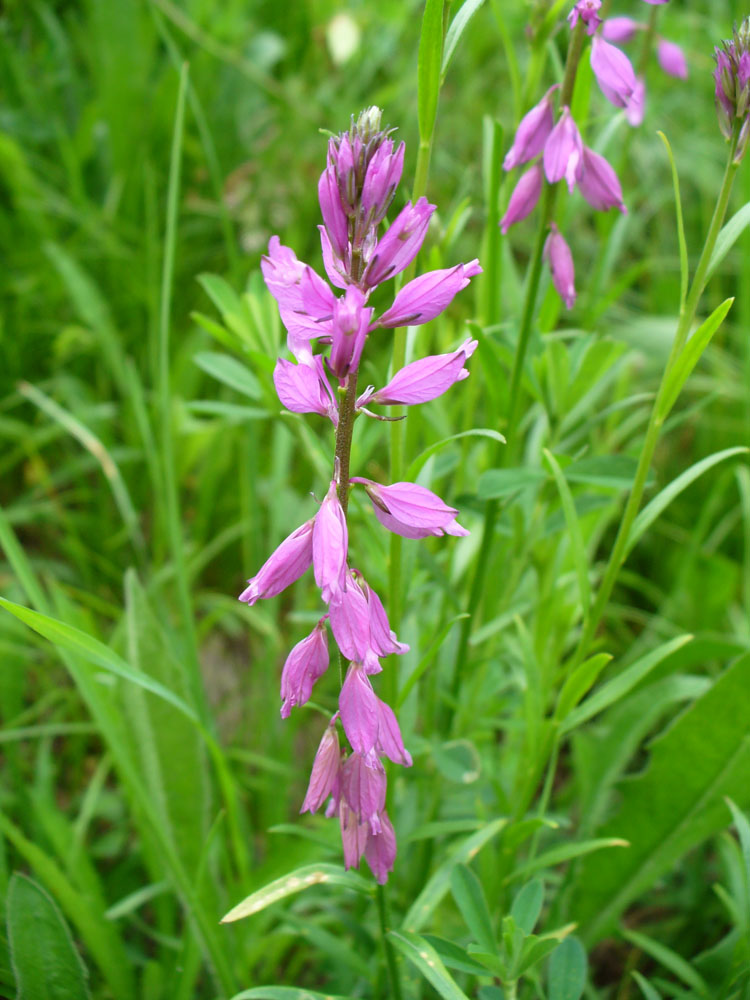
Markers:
<point>532,132</point>
<point>620,29</point>
<point>636,106</point>
<point>354,835</point>
<point>560,260</point>
<point>599,184</point>
<point>358,706</point>
<point>563,151</point>
<point>524,197</point>
<point>363,785</point>
<point>411,510</point>
<point>400,244</point>
<point>326,771</point>
<point>425,297</point>
<point>283,567</point>
<point>304,388</point>
<point>613,71</point>
<point>380,849</point>
<point>672,59</point>
<point>423,380</point>
<point>306,662</point>
<point>330,541</point>
<point>389,741</point>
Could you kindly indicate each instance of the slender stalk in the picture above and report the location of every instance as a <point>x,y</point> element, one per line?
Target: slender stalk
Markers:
<point>394,980</point>
<point>656,420</point>
<point>549,199</point>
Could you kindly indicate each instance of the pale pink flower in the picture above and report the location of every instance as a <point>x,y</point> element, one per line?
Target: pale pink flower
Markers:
<point>326,771</point>
<point>524,197</point>
<point>411,510</point>
<point>330,541</point>
<point>558,256</point>
<point>424,379</point>
<point>425,297</point>
<point>283,567</point>
<point>563,152</point>
<point>358,706</point>
<point>532,132</point>
<point>306,662</point>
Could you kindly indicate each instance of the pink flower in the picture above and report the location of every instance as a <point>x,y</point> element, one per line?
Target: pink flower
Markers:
<point>334,216</point>
<point>532,132</point>
<point>363,786</point>
<point>672,59</point>
<point>636,105</point>
<point>326,771</point>
<point>524,197</point>
<point>330,541</point>
<point>349,326</point>
<point>354,835</point>
<point>304,388</point>
<point>306,662</point>
<point>613,72</point>
<point>410,510</point>
<point>620,29</point>
<point>350,624</point>
<point>382,178</point>
<point>587,10</point>
<point>599,184</point>
<point>400,244</point>
<point>389,740</point>
<point>283,567</point>
<point>427,296</point>
<point>563,151</point>
<point>558,256</point>
<point>380,850</point>
<point>425,379</point>
<point>358,705</point>
<point>383,640</point>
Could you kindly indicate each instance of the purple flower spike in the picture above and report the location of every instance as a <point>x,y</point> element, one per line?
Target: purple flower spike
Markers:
<point>304,388</point>
<point>410,510</point>
<point>599,184</point>
<point>351,321</point>
<point>400,244</point>
<point>563,152</point>
<point>588,12</point>
<point>532,132</point>
<point>558,256</point>
<point>330,541</point>
<point>636,106</point>
<point>389,736</point>
<point>427,296</point>
<point>283,567</point>
<point>326,772</point>
<point>354,836</point>
<point>524,197</point>
<point>620,29</point>
<point>363,785</point>
<point>334,217</point>
<point>672,59</point>
<point>613,72</point>
<point>307,661</point>
<point>425,379</point>
<point>380,850</point>
<point>358,705</point>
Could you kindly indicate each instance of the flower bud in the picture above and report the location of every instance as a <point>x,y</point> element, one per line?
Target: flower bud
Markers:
<point>558,256</point>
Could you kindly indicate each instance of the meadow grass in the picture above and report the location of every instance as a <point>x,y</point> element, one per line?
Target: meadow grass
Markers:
<point>148,150</point>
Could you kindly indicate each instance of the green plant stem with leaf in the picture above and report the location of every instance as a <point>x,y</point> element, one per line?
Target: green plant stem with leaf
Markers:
<point>549,201</point>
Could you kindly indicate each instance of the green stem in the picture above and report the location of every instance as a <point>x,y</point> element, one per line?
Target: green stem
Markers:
<point>656,420</point>
<point>549,199</point>
<point>394,980</point>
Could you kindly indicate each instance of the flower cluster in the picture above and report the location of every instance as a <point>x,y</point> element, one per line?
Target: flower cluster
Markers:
<point>732,79</point>
<point>355,192</point>
<point>552,140</point>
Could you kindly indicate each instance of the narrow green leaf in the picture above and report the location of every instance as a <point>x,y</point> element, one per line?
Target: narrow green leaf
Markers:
<point>454,956</point>
<point>424,957</point>
<point>691,355</point>
<point>743,829</point>
<point>294,882</point>
<point>497,483</point>
<point>457,28</point>
<point>469,896</point>
<point>420,460</point>
<point>428,67</point>
<point>427,659</point>
<point>574,530</point>
<point>69,637</point>
<point>664,497</point>
<point>45,961</point>
<point>669,959</point>
<point>648,991</point>
<point>566,852</point>
<point>674,804</point>
<point>619,686</point>
<point>730,233</point>
<point>684,276</point>
<point>566,974</point>
<point>230,371</point>
<point>615,472</point>
<point>437,886</point>
<point>580,683</point>
<point>527,905</point>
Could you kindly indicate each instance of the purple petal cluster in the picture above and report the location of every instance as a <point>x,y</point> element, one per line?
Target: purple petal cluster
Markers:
<point>326,334</point>
<point>732,81</point>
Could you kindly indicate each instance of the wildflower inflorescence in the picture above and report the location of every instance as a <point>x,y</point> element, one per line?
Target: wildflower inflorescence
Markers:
<point>555,139</point>
<point>732,79</point>
<point>355,191</point>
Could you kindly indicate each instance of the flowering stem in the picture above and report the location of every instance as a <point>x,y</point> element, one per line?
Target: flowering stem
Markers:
<point>344,440</point>
<point>549,199</point>
<point>656,420</point>
<point>394,981</point>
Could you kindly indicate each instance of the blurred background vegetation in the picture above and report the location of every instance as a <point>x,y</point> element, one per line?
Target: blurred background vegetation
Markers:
<point>88,96</point>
